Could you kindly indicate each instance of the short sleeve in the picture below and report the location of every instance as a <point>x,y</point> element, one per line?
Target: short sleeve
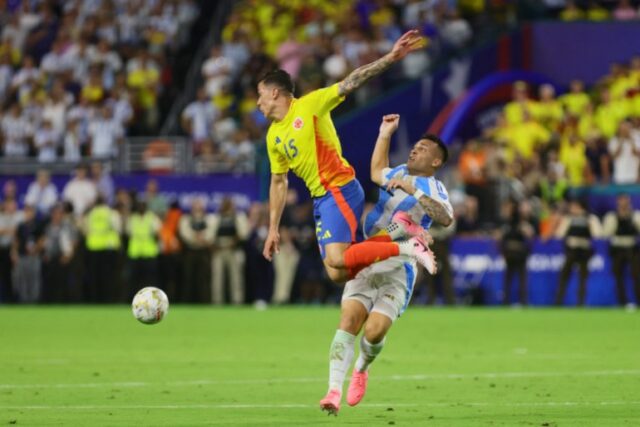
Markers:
<point>278,162</point>
<point>389,173</point>
<point>324,100</point>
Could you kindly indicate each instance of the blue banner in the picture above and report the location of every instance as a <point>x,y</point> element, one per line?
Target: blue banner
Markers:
<point>243,189</point>
<point>477,263</point>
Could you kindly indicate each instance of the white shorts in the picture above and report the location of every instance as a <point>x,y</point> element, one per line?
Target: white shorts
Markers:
<point>384,287</point>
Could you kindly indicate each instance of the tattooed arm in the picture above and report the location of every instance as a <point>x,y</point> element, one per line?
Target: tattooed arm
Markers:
<point>409,42</point>
<point>436,210</point>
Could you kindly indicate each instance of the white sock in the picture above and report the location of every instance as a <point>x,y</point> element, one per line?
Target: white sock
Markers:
<point>340,358</point>
<point>395,232</point>
<point>368,353</point>
<point>406,247</point>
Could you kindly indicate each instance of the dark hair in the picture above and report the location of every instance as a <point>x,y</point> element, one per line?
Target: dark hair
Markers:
<point>279,78</point>
<point>444,151</point>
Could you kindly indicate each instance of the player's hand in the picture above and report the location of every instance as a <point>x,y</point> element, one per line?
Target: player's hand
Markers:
<point>402,184</point>
<point>410,41</point>
<point>389,124</point>
<point>427,237</point>
<point>271,245</point>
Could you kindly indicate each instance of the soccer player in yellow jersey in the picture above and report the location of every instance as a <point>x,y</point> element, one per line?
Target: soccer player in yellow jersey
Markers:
<point>302,138</point>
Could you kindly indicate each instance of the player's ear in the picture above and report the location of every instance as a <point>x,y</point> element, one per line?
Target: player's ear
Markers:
<point>437,162</point>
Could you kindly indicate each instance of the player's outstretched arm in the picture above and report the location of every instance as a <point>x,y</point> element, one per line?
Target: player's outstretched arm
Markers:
<point>277,200</point>
<point>410,41</point>
<point>380,156</point>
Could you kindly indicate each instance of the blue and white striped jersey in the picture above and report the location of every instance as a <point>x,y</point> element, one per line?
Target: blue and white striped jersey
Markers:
<point>400,270</point>
<point>388,204</point>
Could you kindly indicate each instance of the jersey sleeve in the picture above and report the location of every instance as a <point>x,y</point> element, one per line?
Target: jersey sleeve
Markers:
<point>389,173</point>
<point>279,163</point>
<point>323,100</point>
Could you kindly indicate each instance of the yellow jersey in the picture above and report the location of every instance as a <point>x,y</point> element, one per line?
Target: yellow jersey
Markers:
<point>306,142</point>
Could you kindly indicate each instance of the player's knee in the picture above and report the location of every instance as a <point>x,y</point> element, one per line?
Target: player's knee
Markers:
<point>375,332</point>
<point>350,322</point>
<point>334,259</point>
<point>337,276</point>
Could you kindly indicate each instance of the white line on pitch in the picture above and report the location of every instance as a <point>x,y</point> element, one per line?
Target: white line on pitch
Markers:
<point>416,377</point>
<point>305,406</point>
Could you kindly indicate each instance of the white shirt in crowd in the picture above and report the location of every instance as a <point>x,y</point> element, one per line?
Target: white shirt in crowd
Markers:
<point>105,134</point>
<point>46,142</point>
<point>16,131</point>
<point>6,74</point>
<point>56,113</point>
<point>55,63</point>
<point>72,146</point>
<point>82,193</point>
<point>43,198</point>
<point>626,166</point>
<point>201,114</point>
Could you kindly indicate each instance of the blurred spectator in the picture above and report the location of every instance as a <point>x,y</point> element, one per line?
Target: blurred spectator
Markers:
<point>42,194</point>
<point>595,11</point>
<point>143,228</point>
<point>26,251</point>
<point>625,154</point>
<point>443,279</point>
<point>80,191</point>
<point>286,262</point>
<point>622,227</point>
<point>103,181</point>
<point>576,100</point>
<point>239,152</point>
<point>46,141</point>
<point>259,270</point>
<point>102,228</point>
<point>170,259</point>
<point>598,162</point>
<point>156,202</point>
<point>472,166</point>
<point>59,246</point>
<point>230,229</point>
<point>10,218</point>
<point>16,133</point>
<point>574,159</point>
<point>10,191</point>
<point>520,104</point>
<point>467,221</point>
<point>71,142</point>
<point>106,134</point>
<point>196,231</point>
<point>577,229</point>
<point>548,110</point>
<point>198,117</point>
<point>571,12</point>
<point>216,71</point>
<point>515,235</point>
<point>625,11</point>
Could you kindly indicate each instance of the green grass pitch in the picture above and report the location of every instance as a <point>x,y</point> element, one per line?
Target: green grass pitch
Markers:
<point>93,366</point>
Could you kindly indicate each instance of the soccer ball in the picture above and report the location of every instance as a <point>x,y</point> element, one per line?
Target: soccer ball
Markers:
<point>150,305</point>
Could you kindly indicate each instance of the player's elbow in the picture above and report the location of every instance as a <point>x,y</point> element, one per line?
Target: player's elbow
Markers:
<point>446,221</point>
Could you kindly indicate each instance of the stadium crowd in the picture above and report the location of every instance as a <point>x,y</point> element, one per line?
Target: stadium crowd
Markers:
<point>77,76</point>
<point>317,43</point>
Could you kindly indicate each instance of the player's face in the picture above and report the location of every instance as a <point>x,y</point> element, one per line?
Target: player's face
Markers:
<point>266,99</point>
<point>424,156</point>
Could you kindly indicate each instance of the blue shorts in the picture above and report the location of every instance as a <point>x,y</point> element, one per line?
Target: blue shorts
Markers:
<point>337,215</point>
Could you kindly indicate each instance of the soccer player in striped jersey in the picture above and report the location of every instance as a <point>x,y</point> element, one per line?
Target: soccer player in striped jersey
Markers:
<point>302,138</point>
<point>379,293</point>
